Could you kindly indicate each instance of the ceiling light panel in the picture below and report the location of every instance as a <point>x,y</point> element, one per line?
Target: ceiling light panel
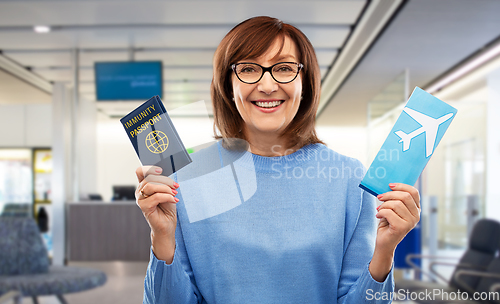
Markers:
<point>41,29</point>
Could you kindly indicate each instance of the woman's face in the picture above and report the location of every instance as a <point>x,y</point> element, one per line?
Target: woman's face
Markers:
<point>268,106</point>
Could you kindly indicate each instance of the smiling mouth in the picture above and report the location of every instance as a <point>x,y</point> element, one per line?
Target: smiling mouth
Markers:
<point>268,104</point>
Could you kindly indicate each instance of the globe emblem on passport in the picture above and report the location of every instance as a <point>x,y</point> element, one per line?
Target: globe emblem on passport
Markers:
<point>157,142</point>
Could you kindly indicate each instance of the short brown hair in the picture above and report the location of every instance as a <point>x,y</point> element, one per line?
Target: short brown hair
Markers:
<point>251,39</point>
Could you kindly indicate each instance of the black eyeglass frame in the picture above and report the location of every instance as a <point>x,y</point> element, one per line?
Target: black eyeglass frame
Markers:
<point>269,69</point>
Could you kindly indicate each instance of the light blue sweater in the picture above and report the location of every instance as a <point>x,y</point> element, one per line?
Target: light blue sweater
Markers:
<point>254,229</point>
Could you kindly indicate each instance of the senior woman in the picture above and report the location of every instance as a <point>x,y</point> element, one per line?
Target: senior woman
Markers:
<point>300,234</point>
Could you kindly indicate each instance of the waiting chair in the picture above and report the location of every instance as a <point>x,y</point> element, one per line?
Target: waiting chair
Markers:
<point>495,288</point>
<point>24,265</point>
<point>16,210</point>
<point>488,281</point>
<point>484,243</point>
<point>488,286</point>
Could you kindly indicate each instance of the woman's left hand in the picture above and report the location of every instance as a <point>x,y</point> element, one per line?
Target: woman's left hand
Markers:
<point>399,214</point>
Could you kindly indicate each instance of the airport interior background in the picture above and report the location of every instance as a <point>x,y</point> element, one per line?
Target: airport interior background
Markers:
<point>66,161</point>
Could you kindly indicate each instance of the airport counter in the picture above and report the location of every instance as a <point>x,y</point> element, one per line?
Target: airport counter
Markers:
<point>107,231</point>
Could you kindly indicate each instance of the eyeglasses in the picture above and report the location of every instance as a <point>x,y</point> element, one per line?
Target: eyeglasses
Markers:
<point>282,72</point>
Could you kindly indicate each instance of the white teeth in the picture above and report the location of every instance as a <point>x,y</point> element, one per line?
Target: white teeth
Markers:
<point>270,104</point>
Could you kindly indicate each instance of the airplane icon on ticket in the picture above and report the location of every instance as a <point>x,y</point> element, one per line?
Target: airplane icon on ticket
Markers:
<point>429,126</point>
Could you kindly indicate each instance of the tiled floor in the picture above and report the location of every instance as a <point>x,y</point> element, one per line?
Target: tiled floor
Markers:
<point>124,285</point>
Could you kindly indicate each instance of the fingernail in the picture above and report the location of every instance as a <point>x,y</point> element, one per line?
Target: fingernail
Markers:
<point>158,170</point>
<point>380,196</point>
<point>174,192</point>
<point>378,207</point>
<point>176,199</point>
<point>392,185</point>
<point>176,185</point>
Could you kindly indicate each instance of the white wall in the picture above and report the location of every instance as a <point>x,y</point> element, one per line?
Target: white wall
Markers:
<point>87,148</point>
<point>493,146</point>
<point>26,126</point>
<point>350,141</point>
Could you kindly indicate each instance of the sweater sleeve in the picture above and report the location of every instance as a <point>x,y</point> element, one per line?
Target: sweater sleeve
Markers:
<point>171,283</point>
<point>356,284</point>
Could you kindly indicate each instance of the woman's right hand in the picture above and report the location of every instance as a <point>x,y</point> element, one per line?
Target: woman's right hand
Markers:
<point>155,196</point>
